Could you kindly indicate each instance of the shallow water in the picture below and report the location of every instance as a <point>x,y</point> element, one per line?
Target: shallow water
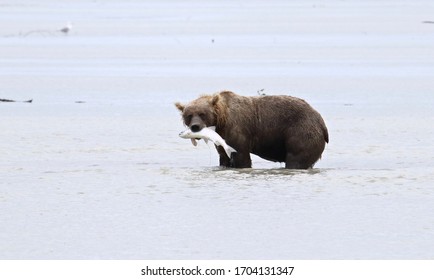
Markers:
<point>94,167</point>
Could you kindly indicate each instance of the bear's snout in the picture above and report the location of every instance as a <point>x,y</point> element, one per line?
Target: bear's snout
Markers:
<point>196,124</point>
<point>195,128</point>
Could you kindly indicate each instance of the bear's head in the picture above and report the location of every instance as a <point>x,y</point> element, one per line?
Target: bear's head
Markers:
<point>201,112</point>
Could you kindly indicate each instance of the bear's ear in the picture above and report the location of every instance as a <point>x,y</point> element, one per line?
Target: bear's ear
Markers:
<point>180,106</point>
<point>215,99</point>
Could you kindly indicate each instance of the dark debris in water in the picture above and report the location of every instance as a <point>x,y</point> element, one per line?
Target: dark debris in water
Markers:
<point>10,100</point>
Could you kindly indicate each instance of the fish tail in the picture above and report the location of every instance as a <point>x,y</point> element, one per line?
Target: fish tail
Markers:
<point>229,150</point>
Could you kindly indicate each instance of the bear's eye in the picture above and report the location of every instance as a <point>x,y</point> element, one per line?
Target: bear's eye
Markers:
<point>202,115</point>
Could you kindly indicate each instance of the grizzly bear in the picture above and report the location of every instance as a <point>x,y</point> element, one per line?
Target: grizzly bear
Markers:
<point>276,128</point>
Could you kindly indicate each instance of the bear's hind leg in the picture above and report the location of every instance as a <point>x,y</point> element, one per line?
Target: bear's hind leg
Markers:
<point>296,162</point>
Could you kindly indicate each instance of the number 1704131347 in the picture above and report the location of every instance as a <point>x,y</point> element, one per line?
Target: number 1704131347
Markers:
<point>266,270</point>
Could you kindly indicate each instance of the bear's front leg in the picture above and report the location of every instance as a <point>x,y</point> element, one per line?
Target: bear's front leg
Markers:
<point>241,159</point>
<point>224,160</point>
<point>238,160</point>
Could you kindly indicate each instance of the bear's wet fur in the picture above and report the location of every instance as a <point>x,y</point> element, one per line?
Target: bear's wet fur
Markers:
<point>276,128</point>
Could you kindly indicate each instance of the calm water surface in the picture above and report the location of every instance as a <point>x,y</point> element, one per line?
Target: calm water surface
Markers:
<point>94,167</point>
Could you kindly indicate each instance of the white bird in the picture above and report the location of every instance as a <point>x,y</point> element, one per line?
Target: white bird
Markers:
<point>67,28</point>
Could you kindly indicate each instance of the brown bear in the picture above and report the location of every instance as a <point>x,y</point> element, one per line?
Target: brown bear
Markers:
<point>277,128</point>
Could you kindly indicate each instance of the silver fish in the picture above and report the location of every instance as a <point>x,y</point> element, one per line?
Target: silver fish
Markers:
<point>208,133</point>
